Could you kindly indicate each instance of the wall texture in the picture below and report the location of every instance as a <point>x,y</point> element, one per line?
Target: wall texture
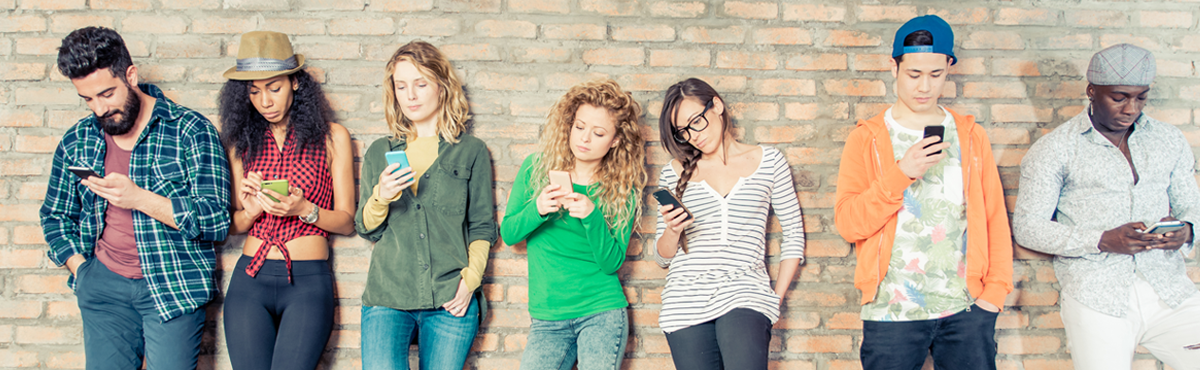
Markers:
<point>798,74</point>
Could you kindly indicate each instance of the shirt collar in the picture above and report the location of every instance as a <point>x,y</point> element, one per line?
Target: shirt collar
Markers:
<point>1082,125</point>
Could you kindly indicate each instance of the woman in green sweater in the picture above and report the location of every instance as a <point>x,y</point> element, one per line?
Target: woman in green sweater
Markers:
<point>576,238</point>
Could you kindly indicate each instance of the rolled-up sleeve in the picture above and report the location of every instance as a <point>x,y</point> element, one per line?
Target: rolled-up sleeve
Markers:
<point>202,212</point>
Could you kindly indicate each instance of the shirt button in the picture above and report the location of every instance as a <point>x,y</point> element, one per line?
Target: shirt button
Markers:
<point>427,176</point>
<point>422,236</point>
<point>418,206</point>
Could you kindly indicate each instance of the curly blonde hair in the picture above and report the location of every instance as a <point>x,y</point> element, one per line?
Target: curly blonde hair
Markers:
<point>454,113</point>
<point>622,171</point>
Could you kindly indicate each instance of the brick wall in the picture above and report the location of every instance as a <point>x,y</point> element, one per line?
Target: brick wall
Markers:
<point>797,74</point>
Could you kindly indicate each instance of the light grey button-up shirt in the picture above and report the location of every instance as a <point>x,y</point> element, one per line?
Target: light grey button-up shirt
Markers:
<point>1082,180</point>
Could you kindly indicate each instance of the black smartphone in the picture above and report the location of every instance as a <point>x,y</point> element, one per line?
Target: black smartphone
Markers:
<point>83,172</point>
<point>938,131</point>
<point>664,197</point>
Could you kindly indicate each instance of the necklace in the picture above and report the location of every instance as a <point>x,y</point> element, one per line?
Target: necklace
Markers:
<point>1124,144</point>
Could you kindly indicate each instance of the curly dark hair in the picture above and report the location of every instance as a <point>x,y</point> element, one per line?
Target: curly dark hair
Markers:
<point>89,49</point>
<point>242,127</point>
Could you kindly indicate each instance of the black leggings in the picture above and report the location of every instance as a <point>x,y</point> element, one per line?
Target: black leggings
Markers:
<point>270,324</point>
<point>736,340</point>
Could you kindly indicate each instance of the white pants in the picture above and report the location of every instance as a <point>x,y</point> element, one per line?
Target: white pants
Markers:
<point>1100,341</point>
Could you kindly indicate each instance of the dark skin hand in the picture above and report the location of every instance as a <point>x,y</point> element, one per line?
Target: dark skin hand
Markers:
<point>1128,238</point>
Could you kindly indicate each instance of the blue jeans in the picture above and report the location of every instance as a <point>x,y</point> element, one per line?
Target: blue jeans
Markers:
<point>121,326</point>
<point>964,341</point>
<point>597,340</point>
<point>443,339</point>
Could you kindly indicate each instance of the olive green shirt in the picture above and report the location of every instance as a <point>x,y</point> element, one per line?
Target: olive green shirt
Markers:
<point>422,245</point>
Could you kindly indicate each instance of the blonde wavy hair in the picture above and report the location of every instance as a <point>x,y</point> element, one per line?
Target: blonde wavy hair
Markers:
<point>622,171</point>
<point>454,112</point>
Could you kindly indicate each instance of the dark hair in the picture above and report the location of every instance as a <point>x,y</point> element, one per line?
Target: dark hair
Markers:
<point>917,38</point>
<point>242,127</point>
<point>89,49</point>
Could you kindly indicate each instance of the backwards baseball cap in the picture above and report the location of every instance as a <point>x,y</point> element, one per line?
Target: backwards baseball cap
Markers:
<point>943,37</point>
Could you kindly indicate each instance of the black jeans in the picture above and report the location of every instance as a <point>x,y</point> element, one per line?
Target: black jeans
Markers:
<point>270,324</point>
<point>964,341</point>
<point>736,340</point>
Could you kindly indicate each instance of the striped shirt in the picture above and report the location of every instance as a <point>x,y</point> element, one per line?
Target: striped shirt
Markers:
<point>179,156</point>
<point>724,268</point>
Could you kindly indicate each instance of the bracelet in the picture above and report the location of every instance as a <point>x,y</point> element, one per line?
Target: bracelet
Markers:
<point>311,217</point>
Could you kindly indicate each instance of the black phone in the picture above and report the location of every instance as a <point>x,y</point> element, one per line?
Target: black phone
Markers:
<point>938,131</point>
<point>83,172</point>
<point>664,197</point>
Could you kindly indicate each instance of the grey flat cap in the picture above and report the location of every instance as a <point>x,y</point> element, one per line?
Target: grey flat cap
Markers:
<point>1122,64</point>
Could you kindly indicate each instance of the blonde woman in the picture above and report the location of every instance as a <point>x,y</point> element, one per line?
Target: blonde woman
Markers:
<point>577,237</point>
<point>432,221</point>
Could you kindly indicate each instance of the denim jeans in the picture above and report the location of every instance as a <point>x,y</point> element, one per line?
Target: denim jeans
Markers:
<point>121,326</point>
<point>964,341</point>
<point>597,340</point>
<point>443,339</point>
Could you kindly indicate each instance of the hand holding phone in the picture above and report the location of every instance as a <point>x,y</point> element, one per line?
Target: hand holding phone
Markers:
<point>278,186</point>
<point>1163,227</point>
<point>939,131</point>
<point>83,172</point>
<point>397,157</point>
<point>664,197</point>
<point>563,180</point>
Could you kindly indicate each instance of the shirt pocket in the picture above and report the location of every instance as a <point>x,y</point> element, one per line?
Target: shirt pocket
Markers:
<point>167,179</point>
<point>451,189</point>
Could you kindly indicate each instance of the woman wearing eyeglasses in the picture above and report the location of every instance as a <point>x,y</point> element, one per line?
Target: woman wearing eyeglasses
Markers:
<point>719,305</point>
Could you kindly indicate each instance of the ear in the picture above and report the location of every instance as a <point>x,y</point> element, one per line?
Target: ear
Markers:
<point>295,83</point>
<point>895,67</point>
<point>718,106</point>
<point>131,75</point>
<point>1091,91</point>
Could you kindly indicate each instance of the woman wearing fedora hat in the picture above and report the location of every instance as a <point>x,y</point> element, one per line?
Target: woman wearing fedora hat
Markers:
<point>279,130</point>
<point>426,202</point>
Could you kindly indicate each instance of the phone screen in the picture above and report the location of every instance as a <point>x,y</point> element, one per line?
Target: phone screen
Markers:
<point>938,131</point>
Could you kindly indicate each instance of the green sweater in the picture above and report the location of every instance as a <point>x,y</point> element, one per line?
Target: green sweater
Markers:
<point>573,262</point>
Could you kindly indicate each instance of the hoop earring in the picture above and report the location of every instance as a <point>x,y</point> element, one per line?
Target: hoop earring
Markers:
<point>1090,102</point>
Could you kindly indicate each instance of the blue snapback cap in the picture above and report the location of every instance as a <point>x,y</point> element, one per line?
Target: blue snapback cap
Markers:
<point>943,37</point>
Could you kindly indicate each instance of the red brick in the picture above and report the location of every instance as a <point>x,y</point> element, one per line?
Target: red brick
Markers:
<point>1046,364</point>
<point>1149,43</point>
<point>855,87</point>
<point>641,270</point>
<point>1027,344</point>
<point>817,200</point>
<point>38,46</point>
<point>36,144</point>
<point>811,298</point>
<point>506,318</point>
<point>609,7</point>
<point>18,358</point>
<point>812,111</point>
<point>539,6</point>
<point>21,258</point>
<point>673,9</point>
<point>1069,42</point>
<point>52,4</point>
<point>996,40</point>
<point>884,13</point>
<point>844,320</point>
<point>994,90</point>
<point>190,4</point>
<point>256,5</point>
<point>375,26</point>
<point>10,117</point>
<point>754,111</point>
<point>331,4</point>
<point>813,12</point>
<point>20,309</point>
<point>643,33</point>
<point>1050,320</point>
<point>577,31</point>
<point>782,36</point>
<point>429,27</point>
<point>1165,19</point>
<point>784,134</point>
<point>714,35</point>
<point>1190,43</point>
<point>42,284</point>
<point>1024,297</point>
<point>868,110</point>
<point>20,167</point>
<point>816,62</point>
<point>486,342</point>
<point>1061,90</point>
<point>329,50</point>
<point>532,107</point>
<point>1011,319</point>
<point>680,58</point>
<point>873,62</point>
<point>1097,18</point>
<point>541,55</point>
<point>846,38</point>
<point>963,16</point>
<point>798,320</point>
<point>845,365</point>
<point>402,5</point>
<point>65,23</point>
<point>1026,16</point>
<point>500,28</point>
<point>1009,157</point>
<point>1008,135</point>
<point>751,10</point>
<point>467,52</point>
<point>514,342</point>
<point>564,81</point>
<point>820,344</point>
<point>187,47</point>
<point>615,56</point>
<point>1015,67</point>
<point>967,66</point>
<point>746,60</point>
<point>1178,117</point>
<point>1020,113</point>
<point>293,26</point>
<point>470,6</point>
<point>784,87</point>
<point>826,247</point>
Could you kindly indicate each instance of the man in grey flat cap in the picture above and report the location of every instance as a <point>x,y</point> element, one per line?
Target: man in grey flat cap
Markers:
<point>1092,192</point>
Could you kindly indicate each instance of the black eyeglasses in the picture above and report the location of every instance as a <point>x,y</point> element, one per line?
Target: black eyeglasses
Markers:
<point>697,124</point>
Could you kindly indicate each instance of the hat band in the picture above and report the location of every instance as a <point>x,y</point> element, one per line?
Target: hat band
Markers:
<point>266,64</point>
<point>918,49</point>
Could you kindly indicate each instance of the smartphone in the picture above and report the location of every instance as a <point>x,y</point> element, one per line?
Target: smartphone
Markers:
<point>938,131</point>
<point>664,197</point>
<point>83,172</point>
<point>278,186</point>
<point>1163,227</point>
<point>397,157</point>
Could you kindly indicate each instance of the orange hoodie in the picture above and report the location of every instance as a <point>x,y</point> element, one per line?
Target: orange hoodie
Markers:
<point>870,191</point>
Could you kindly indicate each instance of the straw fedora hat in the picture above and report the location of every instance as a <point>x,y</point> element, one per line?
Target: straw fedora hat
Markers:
<point>264,54</point>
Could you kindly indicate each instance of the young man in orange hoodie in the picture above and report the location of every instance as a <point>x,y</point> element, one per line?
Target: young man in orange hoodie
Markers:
<point>927,217</point>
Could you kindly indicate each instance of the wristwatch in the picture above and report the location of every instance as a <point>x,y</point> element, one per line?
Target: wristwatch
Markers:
<point>311,217</point>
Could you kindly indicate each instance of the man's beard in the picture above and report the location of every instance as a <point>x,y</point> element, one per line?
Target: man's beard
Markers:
<point>129,115</point>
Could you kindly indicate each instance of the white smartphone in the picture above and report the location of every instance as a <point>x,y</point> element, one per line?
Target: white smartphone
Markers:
<point>1163,227</point>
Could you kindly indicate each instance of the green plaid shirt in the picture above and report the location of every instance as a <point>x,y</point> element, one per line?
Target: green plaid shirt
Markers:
<point>178,156</point>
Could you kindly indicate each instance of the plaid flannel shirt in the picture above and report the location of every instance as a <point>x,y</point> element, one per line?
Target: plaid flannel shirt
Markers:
<point>179,156</point>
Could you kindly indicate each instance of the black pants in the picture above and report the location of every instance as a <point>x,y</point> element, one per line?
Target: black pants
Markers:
<point>964,341</point>
<point>270,324</point>
<point>736,340</point>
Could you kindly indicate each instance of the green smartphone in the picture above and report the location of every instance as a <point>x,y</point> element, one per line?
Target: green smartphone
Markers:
<point>278,186</point>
